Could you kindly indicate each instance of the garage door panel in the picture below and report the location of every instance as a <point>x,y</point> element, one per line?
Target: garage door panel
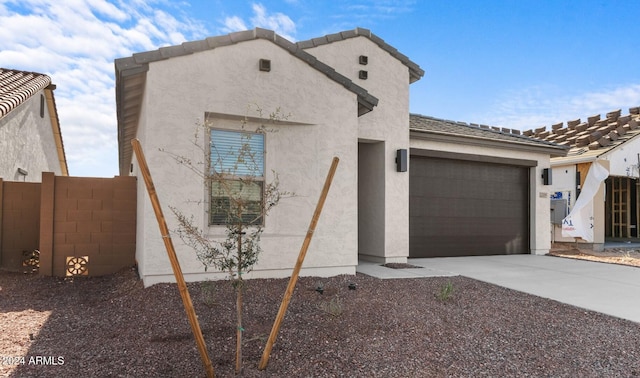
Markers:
<point>433,188</point>
<point>466,226</point>
<point>466,208</point>
<point>467,246</point>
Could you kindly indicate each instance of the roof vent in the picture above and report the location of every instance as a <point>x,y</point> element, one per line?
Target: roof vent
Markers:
<point>265,65</point>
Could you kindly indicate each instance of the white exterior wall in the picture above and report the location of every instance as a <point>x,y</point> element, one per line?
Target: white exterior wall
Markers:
<point>539,221</point>
<point>624,160</point>
<point>27,142</point>
<point>388,80</point>
<point>323,123</point>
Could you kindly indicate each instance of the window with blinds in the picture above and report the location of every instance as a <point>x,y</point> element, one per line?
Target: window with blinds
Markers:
<point>237,177</point>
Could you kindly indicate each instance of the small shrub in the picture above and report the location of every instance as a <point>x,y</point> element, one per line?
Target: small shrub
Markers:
<point>445,292</point>
<point>319,287</point>
<point>332,307</point>
<point>208,293</point>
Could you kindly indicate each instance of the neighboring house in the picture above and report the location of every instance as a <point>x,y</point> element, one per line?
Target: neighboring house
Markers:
<point>614,142</point>
<point>30,138</point>
<point>346,95</point>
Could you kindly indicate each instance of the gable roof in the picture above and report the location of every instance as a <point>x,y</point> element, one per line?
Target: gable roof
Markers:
<point>415,72</point>
<point>16,87</point>
<point>595,137</point>
<point>425,127</point>
<point>131,75</point>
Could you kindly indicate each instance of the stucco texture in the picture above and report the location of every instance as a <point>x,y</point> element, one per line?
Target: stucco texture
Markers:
<point>27,142</point>
<point>225,83</point>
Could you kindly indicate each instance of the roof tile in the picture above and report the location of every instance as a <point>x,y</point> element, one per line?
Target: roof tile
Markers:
<point>219,41</point>
<point>593,119</point>
<point>415,72</point>
<point>597,134</point>
<point>17,86</point>
<point>421,123</point>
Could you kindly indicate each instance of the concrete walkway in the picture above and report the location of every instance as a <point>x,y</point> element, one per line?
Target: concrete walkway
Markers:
<point>607,288</point>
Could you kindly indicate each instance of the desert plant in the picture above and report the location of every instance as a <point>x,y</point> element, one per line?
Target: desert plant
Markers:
<point>234,176</point>
<point>445,293</point>
<point>319,287</point>
<point>208,291</point>
<point>332,307</point>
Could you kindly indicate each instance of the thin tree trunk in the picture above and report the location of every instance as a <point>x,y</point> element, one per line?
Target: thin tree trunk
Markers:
<point>239,330</point>
<point>239,289</point>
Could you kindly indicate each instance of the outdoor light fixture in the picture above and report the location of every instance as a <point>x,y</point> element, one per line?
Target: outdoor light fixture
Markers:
<point>546,176</point>
<point>363,75</point>
<point>401,160</point>
<point>22,172</point>
<point>363,59</point>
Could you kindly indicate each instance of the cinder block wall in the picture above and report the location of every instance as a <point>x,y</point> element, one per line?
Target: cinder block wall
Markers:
<point>93,218</point>
<point>69,217</point>
<point>19,221</point>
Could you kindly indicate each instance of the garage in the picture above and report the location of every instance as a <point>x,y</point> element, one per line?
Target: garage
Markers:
<point>464,205</point>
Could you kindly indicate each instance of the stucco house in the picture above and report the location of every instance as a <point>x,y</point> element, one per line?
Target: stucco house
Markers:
<point>345,95</point>
<point>613,142</point>
<point>30,138</point>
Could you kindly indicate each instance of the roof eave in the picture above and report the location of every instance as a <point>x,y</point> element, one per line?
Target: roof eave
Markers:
<point>127,77</point>
<point>553,151</point>
<point>55,126</point>
<point>415,72</point>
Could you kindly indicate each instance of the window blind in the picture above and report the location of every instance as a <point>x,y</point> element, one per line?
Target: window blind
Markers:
<point>237,153</point>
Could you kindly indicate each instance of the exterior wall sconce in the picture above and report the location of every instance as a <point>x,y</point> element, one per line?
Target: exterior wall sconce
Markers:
<point>363,59</point>
<point>401,160</point>
<point>546,176</point>
<point>264,65</point>
<point>363,75</point>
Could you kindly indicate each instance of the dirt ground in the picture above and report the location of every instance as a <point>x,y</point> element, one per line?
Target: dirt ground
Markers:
<point>622,256</point>
<point>359,326</point>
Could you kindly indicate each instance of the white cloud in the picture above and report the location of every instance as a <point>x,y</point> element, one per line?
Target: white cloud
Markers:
<point>546,105</point>
<point>278,22</point>
<point>233,24</point>
<point>75,42</point>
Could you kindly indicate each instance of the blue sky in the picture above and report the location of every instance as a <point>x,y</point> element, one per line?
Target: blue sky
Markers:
<point>518,64</point>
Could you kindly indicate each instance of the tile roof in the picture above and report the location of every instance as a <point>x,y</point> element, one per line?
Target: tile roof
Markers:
<point>415,72</point>
<point>593,137</point>
<point>17,86</point>
<point>425,124</point>
<point>139,62</point>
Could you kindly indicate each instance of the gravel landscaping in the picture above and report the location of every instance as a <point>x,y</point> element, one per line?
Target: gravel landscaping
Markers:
<point>112,327</point>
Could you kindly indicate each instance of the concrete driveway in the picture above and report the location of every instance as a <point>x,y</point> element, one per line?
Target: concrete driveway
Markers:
<point>607,288</point>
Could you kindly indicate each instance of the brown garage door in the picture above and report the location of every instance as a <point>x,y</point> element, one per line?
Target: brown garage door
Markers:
<point>467,208</point>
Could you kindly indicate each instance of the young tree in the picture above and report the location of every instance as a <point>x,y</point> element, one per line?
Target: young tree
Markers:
<point>240,199</point>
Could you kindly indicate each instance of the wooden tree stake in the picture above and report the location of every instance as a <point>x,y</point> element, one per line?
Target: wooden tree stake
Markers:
<point>177,271</point>
<point>264,361</point>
